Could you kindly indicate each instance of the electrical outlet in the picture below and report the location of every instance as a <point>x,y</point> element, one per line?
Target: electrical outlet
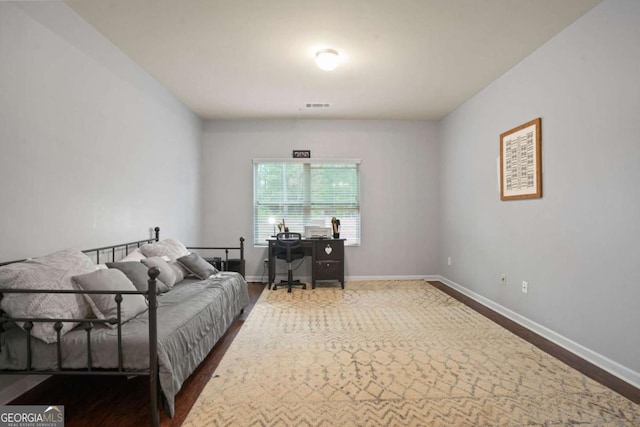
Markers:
<point>448,260</point>
<point>525,287</point>
<point>503,279</point>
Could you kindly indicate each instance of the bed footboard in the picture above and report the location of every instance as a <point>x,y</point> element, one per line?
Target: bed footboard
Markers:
<point>153,346</point>
<point>88,325</point>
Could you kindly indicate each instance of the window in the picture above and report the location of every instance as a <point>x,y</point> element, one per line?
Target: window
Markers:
<point>303,191</point>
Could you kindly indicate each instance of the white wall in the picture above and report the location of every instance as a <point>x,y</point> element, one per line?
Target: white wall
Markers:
<point>578,245</point>
<point>93,151</point>
<point>399,187</point>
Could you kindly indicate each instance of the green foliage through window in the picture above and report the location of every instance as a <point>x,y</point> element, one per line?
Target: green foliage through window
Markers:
<point>300,193</point>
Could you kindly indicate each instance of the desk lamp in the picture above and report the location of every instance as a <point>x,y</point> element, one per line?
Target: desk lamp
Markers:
<point>272,221</point>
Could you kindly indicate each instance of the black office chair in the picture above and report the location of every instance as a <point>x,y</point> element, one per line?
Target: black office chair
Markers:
<point>289,248</point>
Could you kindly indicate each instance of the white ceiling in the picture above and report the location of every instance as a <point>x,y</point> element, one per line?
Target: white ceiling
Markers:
<point>402,59</point>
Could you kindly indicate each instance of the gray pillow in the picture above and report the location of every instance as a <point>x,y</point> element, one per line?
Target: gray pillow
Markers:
<point>179,270</point>
<point>170,249</point>
<point>138,273</point>
<point>197,266</point>
<point>167,274</point>
<point>104,305</point>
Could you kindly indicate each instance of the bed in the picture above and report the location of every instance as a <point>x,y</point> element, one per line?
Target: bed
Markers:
<point>166,341</point>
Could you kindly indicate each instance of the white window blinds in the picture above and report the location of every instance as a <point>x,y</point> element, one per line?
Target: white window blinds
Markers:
<point>301,192</point>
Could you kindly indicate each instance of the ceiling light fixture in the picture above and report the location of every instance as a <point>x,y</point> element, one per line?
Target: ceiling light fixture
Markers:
<point>327,59</point>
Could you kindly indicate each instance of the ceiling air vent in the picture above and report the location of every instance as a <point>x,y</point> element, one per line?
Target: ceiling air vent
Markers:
<point>317,105</point>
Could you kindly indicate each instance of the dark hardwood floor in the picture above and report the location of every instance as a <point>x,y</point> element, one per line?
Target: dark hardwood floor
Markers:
<point>117,401</point>
<point>589,369</point>
<point>121,402</point>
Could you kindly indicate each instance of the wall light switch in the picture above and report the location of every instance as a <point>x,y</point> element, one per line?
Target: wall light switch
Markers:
<point>525,287</point>
<point>448,260</point>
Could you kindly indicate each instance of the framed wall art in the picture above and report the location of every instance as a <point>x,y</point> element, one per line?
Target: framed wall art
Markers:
<point>521,162</point>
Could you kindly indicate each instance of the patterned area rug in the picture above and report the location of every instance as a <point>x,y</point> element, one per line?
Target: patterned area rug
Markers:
<point>393,353</point>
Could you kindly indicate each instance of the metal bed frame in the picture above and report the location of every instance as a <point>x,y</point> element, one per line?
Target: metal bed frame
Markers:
<point>87,324</point>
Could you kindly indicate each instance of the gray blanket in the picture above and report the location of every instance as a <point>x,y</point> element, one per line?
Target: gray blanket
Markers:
<point>191,319</point>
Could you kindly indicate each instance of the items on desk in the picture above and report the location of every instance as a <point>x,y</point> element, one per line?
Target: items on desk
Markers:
<point>336,227</point>
<point>317,232</point>
<point>272,221</point>
<point>282,228</point>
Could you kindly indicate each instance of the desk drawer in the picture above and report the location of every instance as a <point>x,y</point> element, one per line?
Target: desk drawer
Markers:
<point>335,250</point>
<point>328,269</point>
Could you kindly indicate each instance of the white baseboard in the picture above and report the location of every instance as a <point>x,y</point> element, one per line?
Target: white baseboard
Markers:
<point>262,279</point>
<point>307,279</point>
<point>19,386</point>
<point>614,368</point>
<point>411,277</point>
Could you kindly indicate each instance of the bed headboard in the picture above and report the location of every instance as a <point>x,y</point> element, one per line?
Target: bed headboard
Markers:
<point>110,252</point>
<point>120,248</point>
<point>113,253</point>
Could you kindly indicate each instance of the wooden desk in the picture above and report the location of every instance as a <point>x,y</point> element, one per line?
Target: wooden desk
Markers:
<point>327,259</point>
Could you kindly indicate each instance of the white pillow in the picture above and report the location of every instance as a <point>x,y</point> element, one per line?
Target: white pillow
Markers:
<point>135,256</point>
<point>172,248</point>
<point>53,271</point>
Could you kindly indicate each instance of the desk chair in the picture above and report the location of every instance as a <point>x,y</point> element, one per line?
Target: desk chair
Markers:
<point>289,248</point>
